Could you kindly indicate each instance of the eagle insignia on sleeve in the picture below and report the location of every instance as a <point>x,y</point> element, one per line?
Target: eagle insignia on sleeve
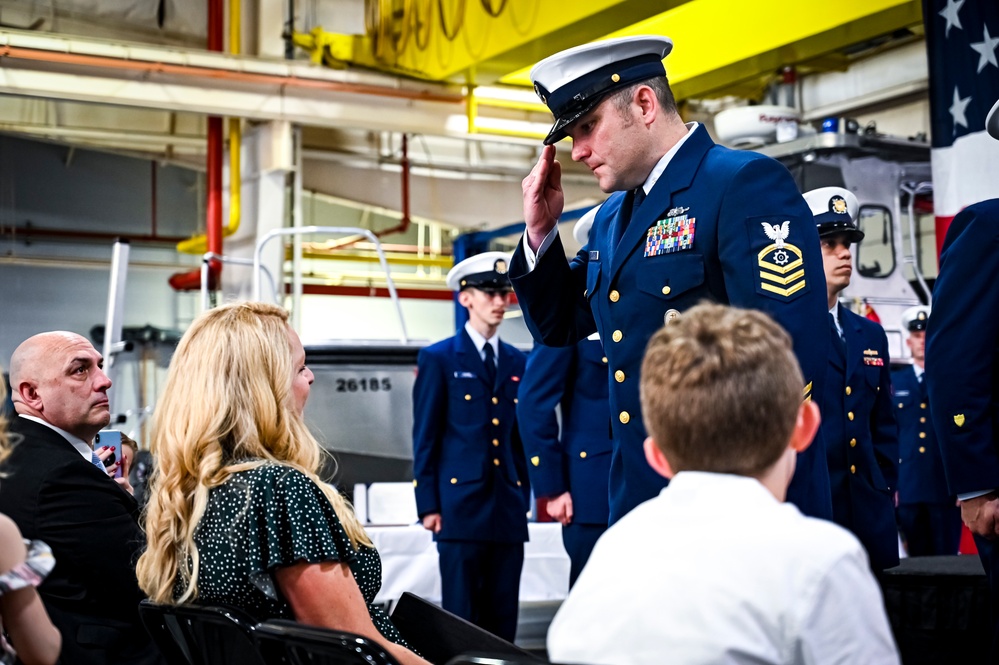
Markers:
<point>782,270</point>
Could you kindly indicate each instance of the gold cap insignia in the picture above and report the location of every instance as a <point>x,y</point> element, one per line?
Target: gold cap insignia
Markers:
<point>959,420</point>
<point>500,267</point>
<point>837,204</point>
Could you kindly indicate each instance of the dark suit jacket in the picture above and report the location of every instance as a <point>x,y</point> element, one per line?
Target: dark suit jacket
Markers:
<point>468,460</point>
<point>53,494</point>
<point>699,235</point>
<point>962,350</point>
<point>861,435</point>
<point>577,459</point>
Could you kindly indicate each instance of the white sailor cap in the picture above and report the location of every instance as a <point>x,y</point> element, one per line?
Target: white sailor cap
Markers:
<point>915,318</point>
<point>482,271</point>
<point>574,81</point>
<point>992,121</point>
<point>581,231</point>
<point>835,210</point>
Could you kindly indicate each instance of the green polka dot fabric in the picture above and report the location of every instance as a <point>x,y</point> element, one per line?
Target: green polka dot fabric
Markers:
<point>267,517</point>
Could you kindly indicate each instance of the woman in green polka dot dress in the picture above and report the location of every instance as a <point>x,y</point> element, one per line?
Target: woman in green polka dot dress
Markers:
<point>237,514</point>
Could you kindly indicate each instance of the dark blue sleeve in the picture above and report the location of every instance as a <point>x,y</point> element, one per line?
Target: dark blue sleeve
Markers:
<point>961,351</point>
<point>542,389</point>
<point>429,423</point>
<point>884,427</point>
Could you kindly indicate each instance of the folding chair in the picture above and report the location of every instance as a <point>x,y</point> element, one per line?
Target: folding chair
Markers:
<point>290,643</point>
<point>196,635</point>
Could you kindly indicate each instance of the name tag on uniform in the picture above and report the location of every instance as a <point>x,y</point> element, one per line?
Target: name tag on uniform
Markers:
<point>464,375</point>
<point>672,234</point>
<point>901,393</point>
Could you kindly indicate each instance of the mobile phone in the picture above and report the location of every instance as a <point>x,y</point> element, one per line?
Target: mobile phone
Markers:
<point>112,439</point>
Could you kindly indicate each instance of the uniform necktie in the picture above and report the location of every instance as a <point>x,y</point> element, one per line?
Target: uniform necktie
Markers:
<point>490,363</point>
<point>837,335</point>
<point>96,461</point>
<point>636,196</point>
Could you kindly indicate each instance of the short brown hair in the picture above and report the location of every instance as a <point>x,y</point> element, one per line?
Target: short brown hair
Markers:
<point>720,390</point>
<point>659,84</point>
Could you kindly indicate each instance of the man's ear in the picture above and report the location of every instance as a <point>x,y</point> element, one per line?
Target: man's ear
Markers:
<point>26,392</point>
<point>464,298</point>
<point>805,426</point>
<point>645,98</point>
<point>657,460</point>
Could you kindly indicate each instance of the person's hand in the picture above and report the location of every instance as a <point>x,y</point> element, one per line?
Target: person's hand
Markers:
<point>432,522</point>
<point>103,453</point>
<point>123,481</point>
<point>560,508</point>
<point>543,197</point>
<point>981,514</point>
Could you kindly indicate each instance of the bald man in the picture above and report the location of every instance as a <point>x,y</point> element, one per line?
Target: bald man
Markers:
<point>56,490</point>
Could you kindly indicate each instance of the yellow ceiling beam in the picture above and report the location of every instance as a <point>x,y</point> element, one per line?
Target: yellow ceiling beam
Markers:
<point>476,41</point>
<point>719,44</point>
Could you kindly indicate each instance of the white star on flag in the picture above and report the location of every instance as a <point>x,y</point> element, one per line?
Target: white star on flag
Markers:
<point>957,109</point>
<point>950,14</point>
<point>986,50</point>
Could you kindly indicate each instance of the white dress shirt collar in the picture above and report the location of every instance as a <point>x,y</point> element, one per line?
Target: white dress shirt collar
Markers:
<point>480,342</point>
<point>664,161</point>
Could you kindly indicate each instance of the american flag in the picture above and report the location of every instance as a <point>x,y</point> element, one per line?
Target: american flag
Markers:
<point>962,42</point>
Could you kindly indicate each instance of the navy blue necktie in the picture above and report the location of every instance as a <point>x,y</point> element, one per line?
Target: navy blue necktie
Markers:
<point>837,336</point>
<point>490,363</point>
<point>636,197</point>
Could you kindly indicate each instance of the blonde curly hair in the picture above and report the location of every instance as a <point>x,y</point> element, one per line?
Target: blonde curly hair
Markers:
<point>226,407</point>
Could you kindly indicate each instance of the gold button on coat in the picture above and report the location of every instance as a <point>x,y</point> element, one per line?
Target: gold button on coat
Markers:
<point>853,468</point>
<point>625,417</point>
<point>922,435</point>
<point>614,296</point>
<point>666,290</point>
<point>604,360</point>
<point>495,400</point>
<point>495,461</point>
<point>495,421</point>
<point>619,376</point>
<point>617,335</point>
<point>495,442</point>
<point>922,449</point>
<point>853,443</point>
<point>849,390</point>
<point>468,397</point>
<point>923,419</point>
<point>922,405</point>
<point>583,454</point>
<point>454,481</point>
<point>515,400</point>
<point>849,414</point>
<point>900,405</point>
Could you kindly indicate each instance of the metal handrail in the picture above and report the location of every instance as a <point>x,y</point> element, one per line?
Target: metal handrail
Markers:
<point>913,256</point>
<point>347,230</point>
<point>206,260</point>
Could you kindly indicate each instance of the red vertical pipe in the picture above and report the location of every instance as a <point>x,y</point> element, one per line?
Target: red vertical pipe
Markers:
<point>405,182</point>
<point>213,221</point>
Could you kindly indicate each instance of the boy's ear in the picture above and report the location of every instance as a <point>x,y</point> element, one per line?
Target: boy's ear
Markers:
<point>463,298</point>
<point>805,426</point>
<point>657,460</point>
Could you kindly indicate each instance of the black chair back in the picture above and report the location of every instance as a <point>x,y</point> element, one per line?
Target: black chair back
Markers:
<point>196,635</point>
<point>282,642</point>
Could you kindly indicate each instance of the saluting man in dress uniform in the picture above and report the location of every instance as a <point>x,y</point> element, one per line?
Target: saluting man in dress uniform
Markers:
<point>858,420</point>
<point>962,353</point>
<point>928,516</point>
<point>688,221</point>
<point>570,468</point>
<point>470,473</point>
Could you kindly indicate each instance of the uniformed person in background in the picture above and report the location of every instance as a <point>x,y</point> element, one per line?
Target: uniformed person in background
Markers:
<point>928,516</point>
<point>962,353</point>
<point>470,474</point>
<point>858,419</point>
<point>688,220</point>
<point>570,466</point>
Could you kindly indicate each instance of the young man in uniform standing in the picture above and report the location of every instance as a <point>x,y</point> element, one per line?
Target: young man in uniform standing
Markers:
<point>470,474</point>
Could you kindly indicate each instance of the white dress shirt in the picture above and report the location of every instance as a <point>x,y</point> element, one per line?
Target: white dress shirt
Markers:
<point>480,343</point>
<point>716,570</point>
<point>84,448</point>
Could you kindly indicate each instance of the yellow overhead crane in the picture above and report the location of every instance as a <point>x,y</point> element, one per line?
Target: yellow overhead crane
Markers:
<point>722,46</point>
